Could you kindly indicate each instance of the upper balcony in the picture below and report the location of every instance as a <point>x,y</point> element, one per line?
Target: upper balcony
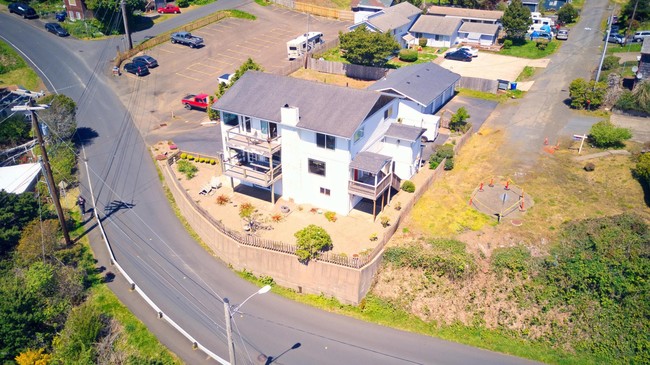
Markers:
<point>252,142</point>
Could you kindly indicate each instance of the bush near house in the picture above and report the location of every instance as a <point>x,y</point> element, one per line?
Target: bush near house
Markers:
<point>445,151</point>
<point>187,168</point>
<point>605,134</point>
<point>310,240</point>
<point>408,186</point>
<point>587,94</point>
<point>408,55</point>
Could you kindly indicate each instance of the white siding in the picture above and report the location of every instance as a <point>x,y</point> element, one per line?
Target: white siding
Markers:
<point>405,154</point>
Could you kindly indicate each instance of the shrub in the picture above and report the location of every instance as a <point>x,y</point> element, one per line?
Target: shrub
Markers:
<point>642,169</point>
<point>212,114</point>
<point>310,240</point>
<point>183,156</point>
<point>433,163</point>
<point>445,151</point>
<point>213,162</point>
<point>246,210</point>
<point>590,167</point>
<point>507,44</point>
<point>398,206</point>
<point>449,164</point>
<point>223,199</point>
<point>511,259</point>
<point>439,257</point>
<point>408,55</point>
<point>459,119</point>
<point>408,186</point>
<point>605,134</point>
<point>541,44</point>
<point>190,157</point>
<point>277,217</point>
<point>587,94</point>
<point>611,62</point>
<point>422,42</point>
<point>330,216</point>
<point>373,237</point>
<point>567,13</point>
<point>183,3</point>
<point>187,168</point>
<point>385,221</point>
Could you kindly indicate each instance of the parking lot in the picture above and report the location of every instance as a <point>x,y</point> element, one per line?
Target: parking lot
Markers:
<point>228,43</point>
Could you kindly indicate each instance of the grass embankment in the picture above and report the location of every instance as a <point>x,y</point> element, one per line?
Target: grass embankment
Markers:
<point>15,71</point>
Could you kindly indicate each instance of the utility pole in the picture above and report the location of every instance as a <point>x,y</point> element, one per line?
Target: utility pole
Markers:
<point>231,345</point>
<point>48,171</point>
<point>126,24</point>
<point>602,57</point>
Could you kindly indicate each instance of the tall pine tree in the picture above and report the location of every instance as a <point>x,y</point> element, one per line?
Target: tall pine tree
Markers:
<point>516,20</point>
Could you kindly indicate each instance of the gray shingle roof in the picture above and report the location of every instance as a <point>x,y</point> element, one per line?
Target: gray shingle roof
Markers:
<point>324,108</point>
<point>481,28</point>
<point>431,24</point>
<point>465,13</point>
<point>374,3</point>
<point>369,161</point>
<point>422,82</point>
<point>394,17</point>
<point>645,48</point>
<point>404,132</point>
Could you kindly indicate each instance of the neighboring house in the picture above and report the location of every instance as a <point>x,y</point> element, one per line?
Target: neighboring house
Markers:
<point>555,4</point>
<point>482,34</point>
<point>18,179</point>
<point>76,9</point>
<point>644,61</point>
<point>437,30</point>
<point>424,87</point>
<point>364,8</point>
<point>467,15</point>
<point>532,5</point>
<point>397,20</point>
<point>315,143</point>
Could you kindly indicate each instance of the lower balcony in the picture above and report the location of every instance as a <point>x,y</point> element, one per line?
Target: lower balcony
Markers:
<point>254,172</point>
<point>369,187</point>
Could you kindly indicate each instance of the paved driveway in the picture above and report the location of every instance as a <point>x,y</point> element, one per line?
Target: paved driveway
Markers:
<point>228,44</point>
<point>492,66</point>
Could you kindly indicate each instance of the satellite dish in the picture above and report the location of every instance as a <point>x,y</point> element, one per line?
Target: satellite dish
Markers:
<point>639,75</point>
<point>635,69</point>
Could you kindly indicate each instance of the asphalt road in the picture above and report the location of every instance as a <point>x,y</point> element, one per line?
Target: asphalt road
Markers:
<point>168,265</point>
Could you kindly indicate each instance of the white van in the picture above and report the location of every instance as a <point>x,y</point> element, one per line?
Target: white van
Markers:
<point>640,35</point>
<point>303,44</point>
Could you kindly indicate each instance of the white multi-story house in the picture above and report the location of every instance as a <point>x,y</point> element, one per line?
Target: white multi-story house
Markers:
<point>315,143</point>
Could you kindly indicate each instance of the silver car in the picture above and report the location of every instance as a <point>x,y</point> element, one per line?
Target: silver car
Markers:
<point>562,34</point>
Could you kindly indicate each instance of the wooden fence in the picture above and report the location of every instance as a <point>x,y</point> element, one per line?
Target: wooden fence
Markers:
<point>349,70</point>
<point>165,37</point>
<point>313,9</point>
<point>479,84</point>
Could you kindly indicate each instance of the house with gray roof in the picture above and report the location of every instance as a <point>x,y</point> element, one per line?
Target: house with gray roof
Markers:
<point>319,144</point>
<point>396,19</point>
<point>482,34</point>
<point>437,30</point>
<point>362,9</point>
<point>467,15</point>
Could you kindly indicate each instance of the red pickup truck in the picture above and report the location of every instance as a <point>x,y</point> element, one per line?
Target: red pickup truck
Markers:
<point>199,101</point>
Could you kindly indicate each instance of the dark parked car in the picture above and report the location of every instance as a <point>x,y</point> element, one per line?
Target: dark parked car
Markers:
<point>616,38</point>
<point>136,68</point>
<point>459,55</point>
<point>23,10</point>
<point>149,61</point>
<point>56,28</point>
<point>60,16</point>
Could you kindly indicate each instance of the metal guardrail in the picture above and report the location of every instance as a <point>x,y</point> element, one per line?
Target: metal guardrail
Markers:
<point>137,289</point>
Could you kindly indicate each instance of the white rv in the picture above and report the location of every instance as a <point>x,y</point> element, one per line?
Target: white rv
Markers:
<point>303,44</point>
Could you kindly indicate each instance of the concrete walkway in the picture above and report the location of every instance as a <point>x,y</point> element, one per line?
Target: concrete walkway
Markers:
<point>602,154</point>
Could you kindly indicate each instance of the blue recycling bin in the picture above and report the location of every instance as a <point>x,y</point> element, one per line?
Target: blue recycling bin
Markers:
<point>513,86</point>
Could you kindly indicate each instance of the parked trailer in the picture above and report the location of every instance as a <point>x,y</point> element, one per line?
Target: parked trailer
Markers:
<point>303,44</point>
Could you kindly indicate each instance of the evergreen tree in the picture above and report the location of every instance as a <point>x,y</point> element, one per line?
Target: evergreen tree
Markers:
<point>516,20</point>
<point>367,48</point>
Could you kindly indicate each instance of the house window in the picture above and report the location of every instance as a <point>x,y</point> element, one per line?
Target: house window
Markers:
<point>358,134</point>
<point>438,37</point>
<point>264,127</point>
<point>230,119</point>
<point>247,124</point>
<point>388,113</point>
<point>72,2</point>
<point>325,141</point>
<point>317,167</point>
<point>325,191</point>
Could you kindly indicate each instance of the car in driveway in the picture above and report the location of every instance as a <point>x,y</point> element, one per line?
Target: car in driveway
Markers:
<point>468,49</point>
<point>459,55</point>
<point>23,10</point>
<point>640,35</point>
<point>562,34</point>
<point>60,16</point>
<point>136,68</point>
<point>615,38</point>
<point>148,61</point>
<point>56,28</point>
<point>169,9</point>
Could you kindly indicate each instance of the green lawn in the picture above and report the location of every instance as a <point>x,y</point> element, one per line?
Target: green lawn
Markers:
<point>530,50</point>
<point>427,54</point>
<point>630,47</point>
